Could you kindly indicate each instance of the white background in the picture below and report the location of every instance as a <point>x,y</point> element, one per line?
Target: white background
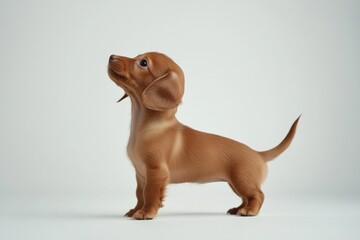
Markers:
<point>251,68</point>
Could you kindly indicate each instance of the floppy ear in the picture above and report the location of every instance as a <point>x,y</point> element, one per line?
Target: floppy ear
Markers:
<point>163,93</point>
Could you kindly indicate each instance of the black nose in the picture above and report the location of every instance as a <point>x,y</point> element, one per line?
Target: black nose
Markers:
<point>112,57</point>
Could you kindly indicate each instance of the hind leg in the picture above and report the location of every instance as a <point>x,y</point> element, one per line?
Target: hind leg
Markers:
<point>233,211</point>
<point>255,201</point>
<point>252,198</point>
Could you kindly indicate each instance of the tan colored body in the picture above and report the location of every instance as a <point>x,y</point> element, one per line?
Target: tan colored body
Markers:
<point>164,151</point>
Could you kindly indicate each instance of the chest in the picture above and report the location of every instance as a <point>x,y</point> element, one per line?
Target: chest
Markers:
<point>161,144</point>
<point>134,151</point>
<point>148,135</point>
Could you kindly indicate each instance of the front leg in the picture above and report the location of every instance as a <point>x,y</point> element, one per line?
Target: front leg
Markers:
<point>157,179</point>
<point>139,195</point>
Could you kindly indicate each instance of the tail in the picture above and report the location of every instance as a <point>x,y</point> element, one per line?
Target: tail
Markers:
<point>276,151</point>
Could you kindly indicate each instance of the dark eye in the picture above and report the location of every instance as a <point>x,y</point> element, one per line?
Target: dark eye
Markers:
<point>143,63</point>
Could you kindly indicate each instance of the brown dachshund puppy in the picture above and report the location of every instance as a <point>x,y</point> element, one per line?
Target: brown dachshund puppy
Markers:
<point>164,151</point>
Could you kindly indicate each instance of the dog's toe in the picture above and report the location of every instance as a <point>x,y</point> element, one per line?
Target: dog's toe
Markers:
<point>246,212</point>
<point>232,211</point>
<point>130,213</point>
<point>142,215</point>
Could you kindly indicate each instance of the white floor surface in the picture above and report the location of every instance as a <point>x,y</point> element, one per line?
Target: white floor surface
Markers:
<point>181,218</point>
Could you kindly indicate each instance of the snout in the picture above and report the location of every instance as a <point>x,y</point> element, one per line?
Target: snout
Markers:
<point>113,57</point>
<point>117,71</point>
<point>117,68</point>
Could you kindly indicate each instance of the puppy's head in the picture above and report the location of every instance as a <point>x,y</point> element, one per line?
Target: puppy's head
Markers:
<point>152,79</point>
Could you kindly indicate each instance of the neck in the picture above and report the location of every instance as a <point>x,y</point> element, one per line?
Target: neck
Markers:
<point>142,117</point>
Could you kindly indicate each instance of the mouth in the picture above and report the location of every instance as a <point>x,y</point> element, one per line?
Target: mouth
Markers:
<point>119,80</point>
<point>116,77</point>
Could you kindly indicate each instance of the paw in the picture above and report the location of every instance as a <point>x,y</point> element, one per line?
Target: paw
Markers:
<point>130,213</point>
<point>233,211</point>
<point>142,215</point>
<point>246,212</point>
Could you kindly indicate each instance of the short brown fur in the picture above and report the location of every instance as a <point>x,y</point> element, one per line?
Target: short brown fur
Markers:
<point>165,151</point>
